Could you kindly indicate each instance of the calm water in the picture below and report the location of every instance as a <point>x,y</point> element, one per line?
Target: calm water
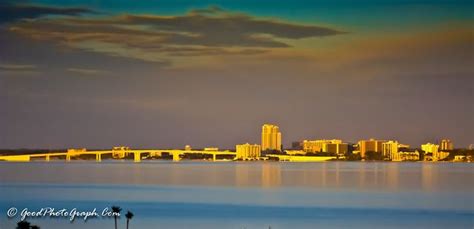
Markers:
<point>245,195</point>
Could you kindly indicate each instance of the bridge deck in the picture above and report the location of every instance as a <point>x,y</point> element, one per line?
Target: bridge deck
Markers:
<point>99,153</point>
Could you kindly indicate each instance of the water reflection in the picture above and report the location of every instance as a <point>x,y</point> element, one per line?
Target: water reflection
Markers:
<point>334,175</point>
<point>271,175</point>
<point>427,177</point>
<point>392,176</point>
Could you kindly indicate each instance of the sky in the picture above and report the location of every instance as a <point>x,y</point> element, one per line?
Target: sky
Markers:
<point>165,73</point>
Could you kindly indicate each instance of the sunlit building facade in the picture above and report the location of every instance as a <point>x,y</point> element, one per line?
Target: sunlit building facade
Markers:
<point>371,145</point>
<point>430,148</point>
<point>406,156</point>
<point>248,151</point>
<point>446,144</point>
<point>271,137</point>
<point>390,149</point>
<point>433,153</point>
<point>335,146</point>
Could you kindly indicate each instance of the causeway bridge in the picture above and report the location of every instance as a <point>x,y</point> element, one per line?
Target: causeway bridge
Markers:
<point>117,153</point>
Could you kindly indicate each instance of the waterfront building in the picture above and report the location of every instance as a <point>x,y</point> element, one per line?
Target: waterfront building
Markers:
<point>335,146</point>
<point>441,155</point>
<point>460,158</point>
<point>430,148</point>
<point>406,156</point>
<point>433,153</point>
<point>187,147</point>
<point>390,149</point>
<point>370,145</point>
<point>446,144</point>
<point>247,151</point>
<point>271,137</point>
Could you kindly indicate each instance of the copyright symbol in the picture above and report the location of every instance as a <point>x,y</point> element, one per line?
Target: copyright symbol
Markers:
<point>12,212</point>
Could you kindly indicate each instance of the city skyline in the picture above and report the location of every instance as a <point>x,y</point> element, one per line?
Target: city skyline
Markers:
<point>96,74</point>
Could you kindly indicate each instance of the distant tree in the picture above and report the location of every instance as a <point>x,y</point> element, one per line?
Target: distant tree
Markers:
<point>35,227</point>
<point>116,210</point>
<point>353,157</point>
<point>23,225</point>
<point>374,156</point>
<point>129,216</point>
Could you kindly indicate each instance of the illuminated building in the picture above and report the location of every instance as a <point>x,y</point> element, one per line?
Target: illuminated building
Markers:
<point>446,144</point>
<point>391,149</point>
<point>432,152</point>
<point>335,146</point>
<point>370,145</point>
<point>430,148</point>
<point>406,156</point>
<point>271,137</point>
<point>247,151</point>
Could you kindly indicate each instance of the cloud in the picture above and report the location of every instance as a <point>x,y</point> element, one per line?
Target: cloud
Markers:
<point>87,71</point>
<point>213,10</point>
<point>17,67</point>
<point>200,32</point>
<point>9,69</point>
<point>11,12</point>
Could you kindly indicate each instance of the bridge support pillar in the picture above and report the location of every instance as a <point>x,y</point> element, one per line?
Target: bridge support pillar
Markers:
<point>137,157</point>
<point>176,157</point>
<point>47,158</point>
<point>68,157</point>
<point>98,157</point>
<point>214,157</point>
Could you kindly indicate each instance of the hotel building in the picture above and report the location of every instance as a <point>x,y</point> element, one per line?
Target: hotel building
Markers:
<point>247,151</point>
<point>370,145</point>
<point>335,146</point>
<point>271,137</point>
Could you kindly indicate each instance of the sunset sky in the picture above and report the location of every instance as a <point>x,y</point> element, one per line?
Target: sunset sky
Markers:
<point>101,73</point>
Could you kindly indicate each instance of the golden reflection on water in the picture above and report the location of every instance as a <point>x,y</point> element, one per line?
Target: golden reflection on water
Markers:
<point>334,175</point>
<point>392,176</point>
<point>427,176</point>
<point>271,175</point>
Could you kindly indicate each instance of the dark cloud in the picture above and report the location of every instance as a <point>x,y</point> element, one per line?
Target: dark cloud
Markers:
<point>210,10</point>
<point>10,12</point>
<point>212,31</point>
<point>20,52</point>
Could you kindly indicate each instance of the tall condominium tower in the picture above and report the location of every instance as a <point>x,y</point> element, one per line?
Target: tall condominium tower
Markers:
<point>271,137</point>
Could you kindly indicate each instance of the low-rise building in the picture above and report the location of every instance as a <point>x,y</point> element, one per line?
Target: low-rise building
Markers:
<point>460,158</point>
<point>187,147</point>
<point>335,146</point>
<point>248,152</point>
<point>406,156</point>
<point>430,148</point>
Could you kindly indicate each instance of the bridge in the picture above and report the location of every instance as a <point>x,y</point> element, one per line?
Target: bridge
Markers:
<point>117,153</point>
